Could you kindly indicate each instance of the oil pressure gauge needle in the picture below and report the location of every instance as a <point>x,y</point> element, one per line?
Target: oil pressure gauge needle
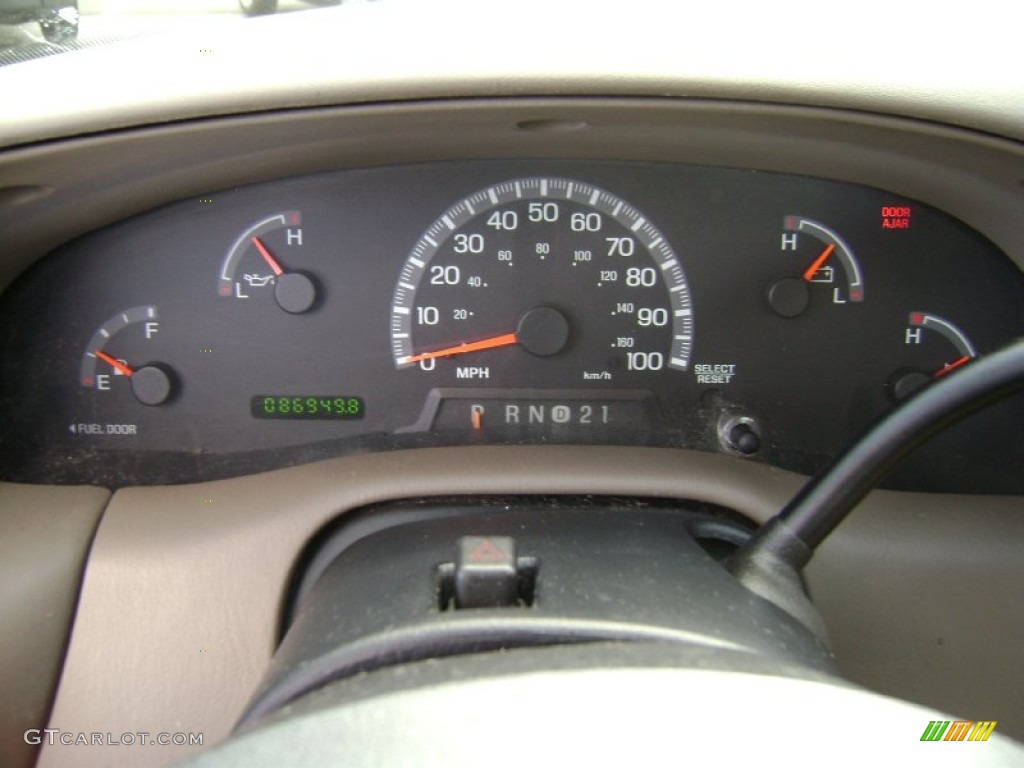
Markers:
<point>267,257</point>
<point>114,363</point>
<point>294,292</point>
<point>822,258</point>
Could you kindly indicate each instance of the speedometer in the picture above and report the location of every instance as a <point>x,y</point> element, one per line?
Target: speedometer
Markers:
<point>542,282</point>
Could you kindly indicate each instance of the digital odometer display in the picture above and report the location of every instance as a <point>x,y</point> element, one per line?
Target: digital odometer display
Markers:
<point>308,407</point>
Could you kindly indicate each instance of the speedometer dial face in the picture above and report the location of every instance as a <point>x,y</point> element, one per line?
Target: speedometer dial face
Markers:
<point>550,281</point>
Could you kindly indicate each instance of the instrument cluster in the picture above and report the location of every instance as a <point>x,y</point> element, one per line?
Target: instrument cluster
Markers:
<point>766,316</point>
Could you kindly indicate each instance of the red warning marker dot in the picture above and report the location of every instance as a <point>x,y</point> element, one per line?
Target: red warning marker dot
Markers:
<point>486,552</point>
<point>916,318</point>
<point>225,290</point>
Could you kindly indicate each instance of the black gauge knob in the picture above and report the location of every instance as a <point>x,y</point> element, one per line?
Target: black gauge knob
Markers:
<point>789,296</point>
<point>543,331</point>
<point>151,385</point>
<point>905,383</point>
<point>295,292</point>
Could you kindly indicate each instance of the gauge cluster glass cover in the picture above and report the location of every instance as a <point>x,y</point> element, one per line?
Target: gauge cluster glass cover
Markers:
<point>503,302</point>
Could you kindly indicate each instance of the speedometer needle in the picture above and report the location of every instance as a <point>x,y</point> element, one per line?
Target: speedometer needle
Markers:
<point>121,367</point>
<point>822,258</point>
<point>267,257</point>
<point>474,346</point>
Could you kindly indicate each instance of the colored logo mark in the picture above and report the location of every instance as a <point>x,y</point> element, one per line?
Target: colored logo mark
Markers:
<point>958,730</point>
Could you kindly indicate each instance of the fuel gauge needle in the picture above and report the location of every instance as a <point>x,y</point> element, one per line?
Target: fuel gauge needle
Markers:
<point>822,258</point>
<point>951,366</point>
<point>267,257</point>
<point>473,346</point>
<point>121,367</point>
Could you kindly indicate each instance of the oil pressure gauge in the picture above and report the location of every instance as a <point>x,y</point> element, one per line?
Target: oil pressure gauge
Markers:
<point>262,263</point>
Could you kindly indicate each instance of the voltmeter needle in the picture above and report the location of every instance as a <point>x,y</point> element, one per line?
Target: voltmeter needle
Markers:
<point>822,258</point>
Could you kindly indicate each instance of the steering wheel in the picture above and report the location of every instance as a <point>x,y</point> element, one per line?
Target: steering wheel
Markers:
<point>594,631</point>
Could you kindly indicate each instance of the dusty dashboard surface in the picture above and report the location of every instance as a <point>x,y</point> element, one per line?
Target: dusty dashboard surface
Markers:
<point>744,312</point>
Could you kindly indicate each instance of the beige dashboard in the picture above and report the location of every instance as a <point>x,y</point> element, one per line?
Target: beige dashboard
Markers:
<point>179,587</point>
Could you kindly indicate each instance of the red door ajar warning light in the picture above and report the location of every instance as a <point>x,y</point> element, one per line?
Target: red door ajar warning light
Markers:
<point>896,216</point>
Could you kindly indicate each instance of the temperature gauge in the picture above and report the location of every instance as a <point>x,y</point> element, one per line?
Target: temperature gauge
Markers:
<point>117,357</point>
<point>939,345</point>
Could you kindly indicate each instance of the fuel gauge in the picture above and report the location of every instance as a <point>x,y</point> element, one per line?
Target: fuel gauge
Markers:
<point>939,348</point>
<point>118,357</point>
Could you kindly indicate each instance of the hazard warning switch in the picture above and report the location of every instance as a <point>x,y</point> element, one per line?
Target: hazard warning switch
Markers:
<point>488,574</point>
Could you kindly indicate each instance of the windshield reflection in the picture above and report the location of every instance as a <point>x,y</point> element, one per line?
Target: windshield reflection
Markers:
<point>31,29</point>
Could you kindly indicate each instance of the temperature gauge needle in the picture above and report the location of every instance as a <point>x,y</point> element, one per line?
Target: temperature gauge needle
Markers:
<point>121,367</point>
<point>951,366</point>
<point>822,258</point>
<point>267,257</point>
<point>461,349</point>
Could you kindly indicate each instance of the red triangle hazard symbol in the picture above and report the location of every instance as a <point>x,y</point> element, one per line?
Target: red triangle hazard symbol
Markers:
<point>486,552</point>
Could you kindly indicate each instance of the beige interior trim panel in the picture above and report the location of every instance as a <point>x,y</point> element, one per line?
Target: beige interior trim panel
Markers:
<point>179,612</point>
<point>45,533</point>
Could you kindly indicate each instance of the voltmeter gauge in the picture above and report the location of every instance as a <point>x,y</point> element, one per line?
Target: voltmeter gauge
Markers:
<point>118,357</point>
<point>938,348</point>
<point>261,263</point>
<point>825,266</point>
